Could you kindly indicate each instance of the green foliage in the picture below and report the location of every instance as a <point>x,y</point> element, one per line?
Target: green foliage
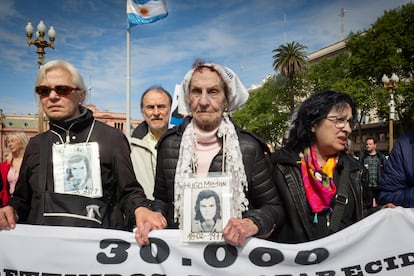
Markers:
<point>323,75</point>
<point>386,48</point>
<point>290,60</point>
<point>404,100</point>
<point>266,112</point>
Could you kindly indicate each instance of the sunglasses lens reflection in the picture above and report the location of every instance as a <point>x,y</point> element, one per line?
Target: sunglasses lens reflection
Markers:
<point>61,90</point>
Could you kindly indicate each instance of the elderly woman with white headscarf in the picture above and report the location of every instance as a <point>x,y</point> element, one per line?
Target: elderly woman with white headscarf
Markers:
<point>207,142</point>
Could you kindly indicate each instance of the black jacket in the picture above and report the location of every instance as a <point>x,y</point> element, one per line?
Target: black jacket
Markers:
<point>118,179</point>
<point>380,165</point>
<point>141,130</point>
<point>265,207</point>
<point>299,226</point>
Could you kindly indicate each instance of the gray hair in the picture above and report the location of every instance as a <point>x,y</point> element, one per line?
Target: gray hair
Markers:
<point>77,79</point>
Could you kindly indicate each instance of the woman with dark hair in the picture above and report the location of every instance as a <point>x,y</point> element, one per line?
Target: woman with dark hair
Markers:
<point>207,213</point>
<point>324,189</point>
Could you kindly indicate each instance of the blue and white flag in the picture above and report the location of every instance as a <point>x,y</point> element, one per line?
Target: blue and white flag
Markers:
<point>145,11</point>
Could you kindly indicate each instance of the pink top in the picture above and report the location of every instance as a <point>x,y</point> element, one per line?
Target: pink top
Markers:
<point>4,192</point>
<point>12,179</point>
<point>207,147</point>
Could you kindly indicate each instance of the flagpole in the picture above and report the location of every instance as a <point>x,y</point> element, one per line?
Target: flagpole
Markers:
<point>128,84</point>
<point>157,10</point>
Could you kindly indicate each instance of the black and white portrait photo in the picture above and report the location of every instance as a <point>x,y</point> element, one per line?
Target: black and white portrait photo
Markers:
<point>78,173</point>
<point>207,213</point>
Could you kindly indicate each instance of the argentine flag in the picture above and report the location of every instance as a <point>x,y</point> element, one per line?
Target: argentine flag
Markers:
<point>145,11</point>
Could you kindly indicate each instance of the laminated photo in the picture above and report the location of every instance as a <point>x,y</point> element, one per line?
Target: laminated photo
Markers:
<point>76,169</point>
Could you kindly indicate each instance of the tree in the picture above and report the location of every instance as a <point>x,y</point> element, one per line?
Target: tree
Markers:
<point>290,60</point>
<point>266,112</point>
<point>334,74</point>
<point>324,74</point>
<point>386,48</point>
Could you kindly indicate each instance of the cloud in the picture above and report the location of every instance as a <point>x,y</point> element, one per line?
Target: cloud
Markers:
<point>240,34</point>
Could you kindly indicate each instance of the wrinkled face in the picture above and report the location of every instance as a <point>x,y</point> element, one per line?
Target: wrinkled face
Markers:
<point>59,107</point>
<point>331,138</point>
<point>208,208</point>
<point>156,110</point>
<point>370,146</point>
<point>14,144</point>
<point>207,98</point>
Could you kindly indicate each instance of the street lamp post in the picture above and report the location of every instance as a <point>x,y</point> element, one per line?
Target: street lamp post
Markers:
<point>391,85</point>
<point>41,44</point>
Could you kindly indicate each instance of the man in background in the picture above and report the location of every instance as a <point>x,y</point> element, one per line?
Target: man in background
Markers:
<point>374,161</point>
<point>156,107</point>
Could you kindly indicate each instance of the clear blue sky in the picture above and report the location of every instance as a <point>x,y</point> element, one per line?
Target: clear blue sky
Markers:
<point>91,34</point>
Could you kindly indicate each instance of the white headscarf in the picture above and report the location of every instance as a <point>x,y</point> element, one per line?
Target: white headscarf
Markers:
<point>237,96</point>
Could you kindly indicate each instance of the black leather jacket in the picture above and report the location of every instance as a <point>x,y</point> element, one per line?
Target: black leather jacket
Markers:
<point>299,225</point>
<point>265,207</point>
<point>118,179</point>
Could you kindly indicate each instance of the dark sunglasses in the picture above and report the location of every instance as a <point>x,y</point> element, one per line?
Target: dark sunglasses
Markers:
<point>61,90</point>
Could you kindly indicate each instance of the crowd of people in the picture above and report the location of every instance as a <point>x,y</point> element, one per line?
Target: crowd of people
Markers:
<point>84,173</point>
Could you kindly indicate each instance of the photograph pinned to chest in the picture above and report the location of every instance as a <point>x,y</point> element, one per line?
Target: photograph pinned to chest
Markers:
<point>206,207</point>
<point>76,169</point>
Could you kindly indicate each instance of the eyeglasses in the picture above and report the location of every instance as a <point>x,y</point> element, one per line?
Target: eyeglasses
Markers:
<point>340,122</point>
<point>61,90</point>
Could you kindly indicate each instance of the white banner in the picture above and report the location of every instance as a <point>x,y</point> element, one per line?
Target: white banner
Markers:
<point>382,244</point>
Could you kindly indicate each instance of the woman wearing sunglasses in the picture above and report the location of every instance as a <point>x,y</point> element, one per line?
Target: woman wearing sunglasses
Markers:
<point>324,188</point>
<point>40,196</point>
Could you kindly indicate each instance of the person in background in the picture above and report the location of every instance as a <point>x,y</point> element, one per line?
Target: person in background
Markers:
<point>156,107</point>
<point>374,161</point>
<point>9,169</point>
<point>39,197</point>
<point>397,182</point>
<point>324,189</point>
<point>208,142</point>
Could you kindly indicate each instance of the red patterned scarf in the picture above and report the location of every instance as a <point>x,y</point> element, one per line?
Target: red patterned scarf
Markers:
<point>319,185</point>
